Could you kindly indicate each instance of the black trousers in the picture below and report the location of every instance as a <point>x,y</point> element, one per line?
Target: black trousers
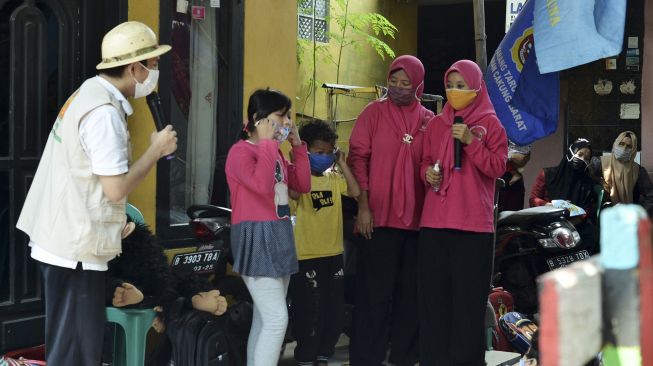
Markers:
<point>317,294</point>
<point>386,299</point>
<point>454,281</point>
<point>74,315</point>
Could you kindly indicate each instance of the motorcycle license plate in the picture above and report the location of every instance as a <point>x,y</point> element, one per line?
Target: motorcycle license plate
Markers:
<point>567,259</point>
<point>198,262</point>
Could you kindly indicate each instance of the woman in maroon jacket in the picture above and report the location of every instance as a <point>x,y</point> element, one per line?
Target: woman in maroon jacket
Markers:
<point>384,152</point>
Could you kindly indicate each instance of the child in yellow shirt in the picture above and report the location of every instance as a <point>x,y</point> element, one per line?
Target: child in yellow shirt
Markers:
<point>317,290</point>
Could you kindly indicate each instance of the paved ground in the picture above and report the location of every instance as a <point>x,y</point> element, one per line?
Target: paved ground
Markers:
<point>341,357</point>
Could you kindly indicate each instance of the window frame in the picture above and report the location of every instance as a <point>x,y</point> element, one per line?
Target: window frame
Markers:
<point>313,17</point>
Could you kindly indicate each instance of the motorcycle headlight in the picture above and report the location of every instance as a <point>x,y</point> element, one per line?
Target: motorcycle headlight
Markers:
<point>547,243</point>
<point>561,237</point>
<point>564,238</point>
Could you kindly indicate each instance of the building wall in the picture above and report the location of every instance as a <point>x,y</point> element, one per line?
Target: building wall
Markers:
<point>141,124</point>
<point>270,47</point>
<point>361,67</point>
<point>548,151</point>
<point>269,60</point>
<point>578,98</point>
<point>647,89</point>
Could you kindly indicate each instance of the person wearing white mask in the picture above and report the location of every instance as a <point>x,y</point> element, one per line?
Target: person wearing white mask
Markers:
<point>623,179</point>
<point>572,181</point>
<point>262,239</point>
<point>74,211</point>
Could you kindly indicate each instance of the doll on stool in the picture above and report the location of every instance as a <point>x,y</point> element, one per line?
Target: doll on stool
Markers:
<point>141,277</point>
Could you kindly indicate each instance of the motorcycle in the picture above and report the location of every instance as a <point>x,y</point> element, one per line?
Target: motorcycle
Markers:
<point>211,226</point>
<point>529,243</point>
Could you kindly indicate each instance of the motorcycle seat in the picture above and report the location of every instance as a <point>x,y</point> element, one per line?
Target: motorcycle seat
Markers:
<point>533,214</point>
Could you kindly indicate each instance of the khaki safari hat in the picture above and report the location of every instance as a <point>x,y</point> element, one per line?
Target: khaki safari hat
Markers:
<point>129,42</point>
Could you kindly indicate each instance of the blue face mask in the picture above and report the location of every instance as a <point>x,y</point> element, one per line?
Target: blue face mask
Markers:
<point>320,162</point>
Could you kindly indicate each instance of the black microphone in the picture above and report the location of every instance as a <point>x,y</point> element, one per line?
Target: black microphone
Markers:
<point>457,146</point>
<point>154,102</point>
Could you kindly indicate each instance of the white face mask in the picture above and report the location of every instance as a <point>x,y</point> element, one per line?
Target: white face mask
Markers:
<point>282,133</point>
<point>147,86</point>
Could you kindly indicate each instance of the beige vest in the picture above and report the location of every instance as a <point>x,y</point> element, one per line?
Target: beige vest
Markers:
<point>66,212</point>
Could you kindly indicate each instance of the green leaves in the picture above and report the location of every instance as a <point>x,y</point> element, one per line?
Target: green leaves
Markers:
<point>380,47</point>
<point>345,29</point>
<point>362,27</point>
<point>351,29</point>
<point>361,24</point>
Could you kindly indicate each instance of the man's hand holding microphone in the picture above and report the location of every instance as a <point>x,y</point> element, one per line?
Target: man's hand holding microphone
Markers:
<point>164,141</point>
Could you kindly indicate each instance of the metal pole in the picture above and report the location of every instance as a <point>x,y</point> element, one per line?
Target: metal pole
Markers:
<point>330,109</point>
<point>479,36</point>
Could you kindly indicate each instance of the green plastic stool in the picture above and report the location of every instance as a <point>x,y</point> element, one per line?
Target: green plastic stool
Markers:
<point>134,213</point>
<point>136,323</point>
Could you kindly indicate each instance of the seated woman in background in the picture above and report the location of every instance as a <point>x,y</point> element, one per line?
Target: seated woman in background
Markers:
<point>571,181</point>
<point>623,179</point>
<point>511,197</point>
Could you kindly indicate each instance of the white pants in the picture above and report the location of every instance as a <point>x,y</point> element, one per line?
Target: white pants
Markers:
<point>270,319</point>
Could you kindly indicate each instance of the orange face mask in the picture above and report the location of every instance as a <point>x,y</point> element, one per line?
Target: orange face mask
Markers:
<point>459,98</point>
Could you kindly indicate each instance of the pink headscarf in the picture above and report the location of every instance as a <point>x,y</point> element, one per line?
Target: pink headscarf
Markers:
<point>413,67</point>
<point>406,120</point>
<point>474,113</point>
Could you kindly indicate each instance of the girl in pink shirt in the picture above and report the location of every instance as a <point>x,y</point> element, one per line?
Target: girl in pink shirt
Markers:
<point>456,240</point>
<point>384,153</point>
<point>262,239</point>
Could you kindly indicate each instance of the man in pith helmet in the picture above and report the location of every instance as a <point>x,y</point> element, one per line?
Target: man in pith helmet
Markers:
<point>75,209</point>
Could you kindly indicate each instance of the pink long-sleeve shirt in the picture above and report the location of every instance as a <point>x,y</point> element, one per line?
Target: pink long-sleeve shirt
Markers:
<point>253,171</point>
<point>374,147</point>
<point>469,201</point>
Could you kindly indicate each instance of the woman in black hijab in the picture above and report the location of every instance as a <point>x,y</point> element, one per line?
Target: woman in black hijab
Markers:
<point>571,181</point>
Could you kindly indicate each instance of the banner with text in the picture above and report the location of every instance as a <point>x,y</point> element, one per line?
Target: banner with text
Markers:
<point>572,33</point>
<point>526,102</point>
<point>513,7</point>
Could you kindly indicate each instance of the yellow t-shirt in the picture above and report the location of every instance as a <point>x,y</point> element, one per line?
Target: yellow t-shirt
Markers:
<point>318,225</point>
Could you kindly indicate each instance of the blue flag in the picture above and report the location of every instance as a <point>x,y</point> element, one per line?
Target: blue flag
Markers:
<point>526,101</point>
<point>571,33</point>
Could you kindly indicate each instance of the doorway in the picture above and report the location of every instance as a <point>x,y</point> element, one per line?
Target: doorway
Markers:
<point>47,48</point>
